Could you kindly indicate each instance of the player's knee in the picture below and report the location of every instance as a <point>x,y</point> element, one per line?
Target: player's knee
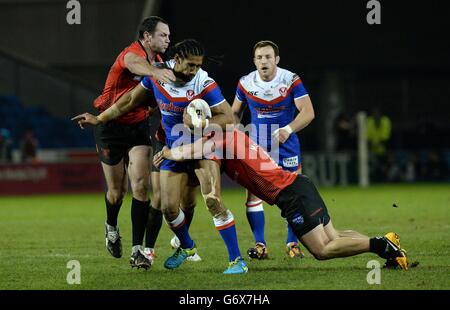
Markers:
<point>156,206</point>
<point>188,205</point>
<point>140,188</point>
<point>188,202</point>
<point>115,195</point>
<point>214,206</point>
<point>170,214</point>
<point>319,253</point>
<point>212,202</point>
<point>156,201</point>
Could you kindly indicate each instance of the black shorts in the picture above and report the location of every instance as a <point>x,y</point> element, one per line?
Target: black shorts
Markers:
<point>157,147</point>
<point>307,201</point>
<point>114,140</point>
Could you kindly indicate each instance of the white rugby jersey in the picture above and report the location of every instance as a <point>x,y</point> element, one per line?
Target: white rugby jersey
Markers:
<point>272,103</point>
<point>172,99</point>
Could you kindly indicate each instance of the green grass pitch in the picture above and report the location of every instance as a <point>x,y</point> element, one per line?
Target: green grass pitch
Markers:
<point>40,234</point>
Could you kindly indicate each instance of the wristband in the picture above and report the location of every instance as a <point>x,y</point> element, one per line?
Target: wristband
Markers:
<point>206,123</point>
<point>196,121</point>
<point>288,129</point>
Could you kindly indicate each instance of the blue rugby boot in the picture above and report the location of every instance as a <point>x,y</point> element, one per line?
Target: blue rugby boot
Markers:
<point>237,266</point>
<point>179,257</point>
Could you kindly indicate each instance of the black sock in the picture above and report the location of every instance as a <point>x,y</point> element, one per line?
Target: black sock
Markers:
<point>377,245</point>
<point>112,212</point>
<point>139,218</point>
<point>154,224</point>
<point>188,216</point>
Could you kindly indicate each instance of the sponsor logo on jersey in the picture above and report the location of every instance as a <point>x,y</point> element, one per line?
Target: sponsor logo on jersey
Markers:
<point>253,93</point>
<point>269,110</point>
<point>169,107</point>
<point>207,83</point>
<point>268,93</point>
<point>289,162</point>
<point>190,94</point>
<point>269,115</point>
<point>174,91</point>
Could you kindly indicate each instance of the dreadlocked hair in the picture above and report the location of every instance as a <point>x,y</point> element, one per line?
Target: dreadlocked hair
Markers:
<point>188,47</point>
<point>194,48</point>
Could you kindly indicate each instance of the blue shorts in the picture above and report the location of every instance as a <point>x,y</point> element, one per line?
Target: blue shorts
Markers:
<point>178,167</point>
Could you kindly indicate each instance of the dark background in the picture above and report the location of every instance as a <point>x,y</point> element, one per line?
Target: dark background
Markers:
<point>347,65</point>
<point>400,65</point>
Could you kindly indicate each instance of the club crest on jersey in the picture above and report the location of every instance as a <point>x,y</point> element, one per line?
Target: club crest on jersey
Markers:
<point>283,91</point>
<point>190,94</point>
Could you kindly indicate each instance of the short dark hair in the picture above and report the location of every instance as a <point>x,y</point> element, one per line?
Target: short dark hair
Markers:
<point>266,43</point>
<point>188,47</point>
<point>149,25</point>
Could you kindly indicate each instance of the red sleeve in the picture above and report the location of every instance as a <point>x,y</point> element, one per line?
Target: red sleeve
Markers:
<point>134,48</point>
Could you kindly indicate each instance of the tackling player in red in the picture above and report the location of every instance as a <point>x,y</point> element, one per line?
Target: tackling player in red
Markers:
<point>298,199</point>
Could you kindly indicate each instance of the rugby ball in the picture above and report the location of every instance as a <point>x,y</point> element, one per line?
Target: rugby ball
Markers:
<point>199,110</point>
<point>200,107</point>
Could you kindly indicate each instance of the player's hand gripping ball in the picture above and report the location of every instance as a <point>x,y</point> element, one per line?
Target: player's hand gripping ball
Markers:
<point>199,111</point>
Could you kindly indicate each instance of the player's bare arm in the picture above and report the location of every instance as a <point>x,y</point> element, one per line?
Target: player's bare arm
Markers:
<point>123,105</point>
<point>304,117</point>
<point>140,66</point>
<point>201,147</point>
<point>221,116</point>
<point>237,108</point>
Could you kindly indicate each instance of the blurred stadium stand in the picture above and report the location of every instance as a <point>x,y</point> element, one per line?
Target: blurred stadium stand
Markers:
<point>51,132</point>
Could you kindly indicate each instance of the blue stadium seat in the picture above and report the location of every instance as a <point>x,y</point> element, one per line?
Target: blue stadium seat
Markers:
<point>50,131</point>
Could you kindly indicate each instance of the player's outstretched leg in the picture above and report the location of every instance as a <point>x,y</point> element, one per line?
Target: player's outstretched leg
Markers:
<point>208,173</point>
<point>256,219</point>
<point>306,212</point>
<point>323,248</point>
<point>392,263</point>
